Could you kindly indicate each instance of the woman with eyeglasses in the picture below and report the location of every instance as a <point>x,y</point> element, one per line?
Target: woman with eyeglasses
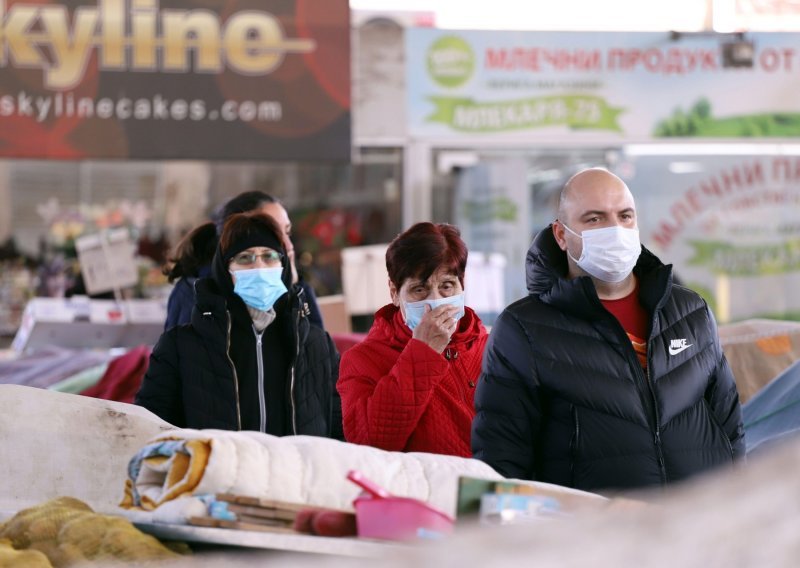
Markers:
<point>249,359</point>
<point>193,254</point>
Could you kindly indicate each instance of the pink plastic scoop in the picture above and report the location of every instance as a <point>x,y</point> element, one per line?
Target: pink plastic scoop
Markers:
<point>372,488</point>
<point>379,514</point>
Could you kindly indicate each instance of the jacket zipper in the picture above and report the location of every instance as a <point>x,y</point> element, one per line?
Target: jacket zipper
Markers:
<point>649,381</point>
<point>574,445</point>
<point>262,403</point>
<point>292,372</point>
<point>657,435</point>
<point>235,376</point>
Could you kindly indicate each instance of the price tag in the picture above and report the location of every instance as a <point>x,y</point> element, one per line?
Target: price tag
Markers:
<point>107,260</point>
<point>106,311</point>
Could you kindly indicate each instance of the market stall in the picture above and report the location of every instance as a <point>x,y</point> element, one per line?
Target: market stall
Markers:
<point>121,460</point>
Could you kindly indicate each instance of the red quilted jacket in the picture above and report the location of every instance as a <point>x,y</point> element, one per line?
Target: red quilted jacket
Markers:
<point>398,394</point>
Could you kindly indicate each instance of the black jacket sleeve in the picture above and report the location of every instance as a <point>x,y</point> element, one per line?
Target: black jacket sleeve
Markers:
<point>336,429</point>
<point>507,417</point>
<point>180,303</point>
<point>160,392</point>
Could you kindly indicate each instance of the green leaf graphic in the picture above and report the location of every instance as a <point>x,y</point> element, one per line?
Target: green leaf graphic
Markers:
<point>698,121</point>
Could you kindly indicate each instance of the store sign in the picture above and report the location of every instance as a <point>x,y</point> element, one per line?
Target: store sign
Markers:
<point>608,87</point>
<point>729,226</point>
<point>246,79</point>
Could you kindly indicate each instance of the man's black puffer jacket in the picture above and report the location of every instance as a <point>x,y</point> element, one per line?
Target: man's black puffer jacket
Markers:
<point>563,398</point>
<point>191,382</point>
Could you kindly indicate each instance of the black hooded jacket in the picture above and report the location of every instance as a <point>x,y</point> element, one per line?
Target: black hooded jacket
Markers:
<point>205,374</point>
<point>563,398</point>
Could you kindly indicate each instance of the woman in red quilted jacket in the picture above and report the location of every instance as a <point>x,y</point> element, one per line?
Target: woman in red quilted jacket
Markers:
<point>409,385</point>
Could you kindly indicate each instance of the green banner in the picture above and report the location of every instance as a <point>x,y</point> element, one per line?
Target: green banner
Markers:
<point>757,260</point>
<point>575,111</point>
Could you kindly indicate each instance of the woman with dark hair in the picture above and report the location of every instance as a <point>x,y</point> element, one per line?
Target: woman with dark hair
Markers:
<point>192,260</point>
<point>409,385</point>
<point>249,359</point>
<point>193,255</point>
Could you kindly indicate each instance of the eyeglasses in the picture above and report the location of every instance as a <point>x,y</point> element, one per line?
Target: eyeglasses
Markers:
<point>270,258</point>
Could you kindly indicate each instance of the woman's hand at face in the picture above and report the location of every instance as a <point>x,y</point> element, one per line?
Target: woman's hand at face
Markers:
<point>437,326</point>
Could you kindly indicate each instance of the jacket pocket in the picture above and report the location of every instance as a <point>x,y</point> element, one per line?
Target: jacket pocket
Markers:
<point>718,427</point>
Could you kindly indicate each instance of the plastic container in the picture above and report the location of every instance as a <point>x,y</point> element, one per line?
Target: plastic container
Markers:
<point>382,515</point>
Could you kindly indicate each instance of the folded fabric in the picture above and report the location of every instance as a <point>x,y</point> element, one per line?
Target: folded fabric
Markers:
<point>81,380</point>
<point>773,415</point>
<point>295,469</point>
<point>49,365</point>
<point>123,377</point>
<point>176,465</point>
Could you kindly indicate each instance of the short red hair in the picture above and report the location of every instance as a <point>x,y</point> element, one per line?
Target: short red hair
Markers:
<point>423,249</point>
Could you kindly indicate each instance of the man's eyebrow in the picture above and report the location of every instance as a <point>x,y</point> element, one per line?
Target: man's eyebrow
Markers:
<point>601,212</point>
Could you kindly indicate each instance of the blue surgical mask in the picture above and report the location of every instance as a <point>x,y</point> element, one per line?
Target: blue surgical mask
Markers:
<point>259,288</point>
<point>415,310</point>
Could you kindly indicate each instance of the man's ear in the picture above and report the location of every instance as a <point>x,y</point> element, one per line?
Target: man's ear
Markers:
<point>394,293</point>
<point>558,233</point>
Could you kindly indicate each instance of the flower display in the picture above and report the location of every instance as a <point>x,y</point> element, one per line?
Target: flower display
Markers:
<point>59,273</point>
<point>66,223</point>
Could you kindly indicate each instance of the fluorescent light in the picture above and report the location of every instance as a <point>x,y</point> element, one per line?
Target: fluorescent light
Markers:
<point>714,149</point>
<point>686,167</point>
<point>393,5</point>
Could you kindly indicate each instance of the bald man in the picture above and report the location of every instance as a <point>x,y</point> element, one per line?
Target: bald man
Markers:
<point>607,376</point>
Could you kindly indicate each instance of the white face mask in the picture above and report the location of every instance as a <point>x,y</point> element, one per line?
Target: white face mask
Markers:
<point>609,254</point>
